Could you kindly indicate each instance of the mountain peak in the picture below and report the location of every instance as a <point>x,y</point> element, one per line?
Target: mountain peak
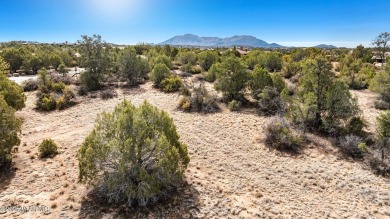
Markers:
<point>324,46</point>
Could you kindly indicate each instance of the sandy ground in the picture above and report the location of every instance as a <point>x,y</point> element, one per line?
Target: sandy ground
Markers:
<point>231,174</point>
<point>366,100</point>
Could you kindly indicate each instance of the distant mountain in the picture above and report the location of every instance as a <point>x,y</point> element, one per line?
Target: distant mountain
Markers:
<point>194,40</point>
<point>324,46</point>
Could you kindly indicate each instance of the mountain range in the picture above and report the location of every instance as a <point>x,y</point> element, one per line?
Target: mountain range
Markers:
<point>243,40</point>
<point>194,40</point>
<point>324,46</point>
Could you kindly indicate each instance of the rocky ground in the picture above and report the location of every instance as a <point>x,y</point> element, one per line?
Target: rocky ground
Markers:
<point>231,174</point>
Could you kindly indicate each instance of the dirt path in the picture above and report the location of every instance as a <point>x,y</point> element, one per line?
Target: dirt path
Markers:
<point>231,174</point>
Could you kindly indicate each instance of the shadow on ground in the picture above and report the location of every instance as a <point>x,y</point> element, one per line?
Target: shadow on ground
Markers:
<point>7,173</point>
<point>132,90</point>
<point>183,204</point>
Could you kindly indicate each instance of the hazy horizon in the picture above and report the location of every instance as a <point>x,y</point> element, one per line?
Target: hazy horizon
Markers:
<point>289,23</point>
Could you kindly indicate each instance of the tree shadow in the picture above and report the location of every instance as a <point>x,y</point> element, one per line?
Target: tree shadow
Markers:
<point>7,173</point>
<point>183,203</point>
<point>128,90</point>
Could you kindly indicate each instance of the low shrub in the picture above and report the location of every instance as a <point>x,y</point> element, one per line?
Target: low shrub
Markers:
<point>291,69</point>
<point>61,103</point>
<point>46,102</point>
<point>200,100</point>
<point>211,75</point>
<point>259,79</point>
<point>355,126</point>
<point>159,73</point>
<point>58,87</point>
<point>270,102</point>
<point>30,85</point>
<point>171,84</point>
<point>184,103</point>
<point>281,136</point>
<point>381,105</point>
<point>234,105</point>
<point>47,148</point>
<point>352,146</point>
<point>82,91</point>
<point>108,94</point>
<point>91,81</point>
<point>133,155</point>
<point>196,69</point>
<point>57,78</point>
<point>10,128</point>
<point>378,166</point>
<point>184,90</point>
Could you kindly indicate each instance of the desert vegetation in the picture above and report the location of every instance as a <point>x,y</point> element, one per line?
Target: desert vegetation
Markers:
<point>235,115</point>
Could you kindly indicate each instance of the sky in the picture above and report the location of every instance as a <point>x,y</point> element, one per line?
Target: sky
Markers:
<point>287,22</point>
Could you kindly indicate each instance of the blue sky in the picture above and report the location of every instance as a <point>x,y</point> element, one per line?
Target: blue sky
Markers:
<point>290,23</point>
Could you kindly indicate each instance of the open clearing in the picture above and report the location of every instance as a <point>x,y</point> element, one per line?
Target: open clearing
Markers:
<point>231,173</point>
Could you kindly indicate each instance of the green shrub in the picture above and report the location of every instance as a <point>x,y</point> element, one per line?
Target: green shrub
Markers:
<point>82,91</point>
<point>159,73</point>
<point>279,135</point>
<point>196,69</point>
<point>187,68</point>
<point>108,94</point>
<point>160,59</point>
<point>171,84</point>
<point>184,103</point>
<point>207,59</point>
<point>383,134</point>
<point>68,94</point>
<point>211,75</point>
<point>186,57</point>
<point>61,103</point>
<point>350,146</point>
<point>133,67</point>
<point>381,81</point>
<point>65,79</point>
<point>278,82</point>
<point>184,90</point>
<point>260,78</point>
<point>200,100</point>
<point>62,69</point>
<point>233,78</point>
<point>90,80</point>
<point>30,85</point>
<point>270,102</point>
<point>12,93</point>
<point>46,102</point>
<point>47,148</point>
<point>340,107</point>
<point>381,105</point>
<point>10,128</point>
<point>49,100</point>
<point>234,105</point>
<point>58,87</point>
<point>133,155</point>
<point>291,69</point>
<point>272,61</point>
<point>379,166</point>
<point>355,126</point>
